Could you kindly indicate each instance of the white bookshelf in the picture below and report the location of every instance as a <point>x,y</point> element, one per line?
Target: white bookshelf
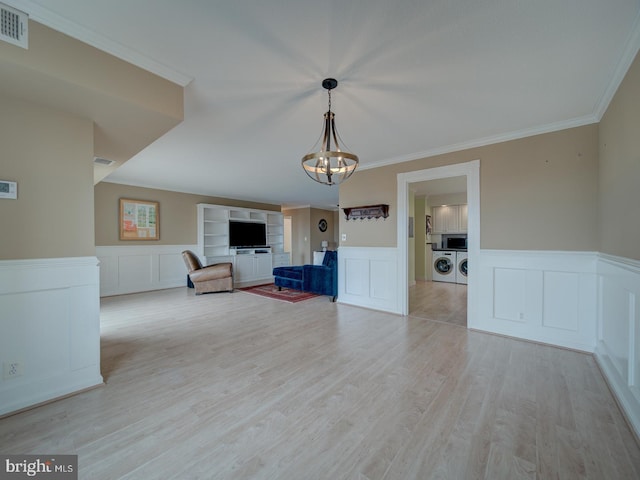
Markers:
<point>213,241</point>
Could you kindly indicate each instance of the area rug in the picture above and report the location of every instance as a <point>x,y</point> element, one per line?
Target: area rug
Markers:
<point>286,294</point>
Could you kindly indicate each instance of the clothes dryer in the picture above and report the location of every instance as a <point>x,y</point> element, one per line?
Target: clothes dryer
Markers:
<point>444,266</point>
<point>461,268</point>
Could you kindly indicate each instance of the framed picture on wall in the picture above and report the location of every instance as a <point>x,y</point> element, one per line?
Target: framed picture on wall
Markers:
<point>139,220</point>
<point>428,224</point>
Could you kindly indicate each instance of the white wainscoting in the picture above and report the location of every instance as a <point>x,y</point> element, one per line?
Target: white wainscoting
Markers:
<point>544,296</point>
<point>50,325</point>
<point>368,277</point>
<point>618,332</point>
<point>140,268</point>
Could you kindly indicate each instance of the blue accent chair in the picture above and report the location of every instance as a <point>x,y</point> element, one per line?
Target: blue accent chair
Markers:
<point>320,279</point>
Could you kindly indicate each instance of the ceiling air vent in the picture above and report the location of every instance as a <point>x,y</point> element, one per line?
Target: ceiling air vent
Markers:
<point>103,161</point>
<point>14,26</point>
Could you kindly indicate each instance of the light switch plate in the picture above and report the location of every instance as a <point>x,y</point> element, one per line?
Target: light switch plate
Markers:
<point>8,189</point>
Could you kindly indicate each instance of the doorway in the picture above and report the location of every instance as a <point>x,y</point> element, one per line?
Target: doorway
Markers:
<point>471,171</point>
<point>437,285</point>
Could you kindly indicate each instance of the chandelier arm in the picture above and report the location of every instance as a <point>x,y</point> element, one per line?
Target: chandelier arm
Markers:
<point>326,142</point>
<point>335,135</point>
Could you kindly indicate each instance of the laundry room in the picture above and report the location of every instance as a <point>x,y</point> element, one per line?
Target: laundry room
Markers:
<point>438,289</point>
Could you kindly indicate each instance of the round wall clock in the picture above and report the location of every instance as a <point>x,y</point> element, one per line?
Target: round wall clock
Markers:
<point>322,225</point>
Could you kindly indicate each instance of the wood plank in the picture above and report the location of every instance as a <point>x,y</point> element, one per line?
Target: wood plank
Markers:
<point>240,386</point>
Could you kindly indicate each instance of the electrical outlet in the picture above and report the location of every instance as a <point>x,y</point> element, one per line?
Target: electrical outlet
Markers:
<point>344,237</point>
<point>12,369</point>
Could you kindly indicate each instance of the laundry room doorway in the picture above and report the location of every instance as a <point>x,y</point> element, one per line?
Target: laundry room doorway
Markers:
<point>425,257</point>
<point>437,266</point>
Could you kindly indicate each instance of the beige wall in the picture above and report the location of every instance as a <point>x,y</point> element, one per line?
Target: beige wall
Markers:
<point>300,235</point>
<point>130,107</point>
<point>316,235</point>
<point>49,153</point>
<point>536,193</point>
<point>306,236</point>
<point>178,213</point>
<point>620,170</point>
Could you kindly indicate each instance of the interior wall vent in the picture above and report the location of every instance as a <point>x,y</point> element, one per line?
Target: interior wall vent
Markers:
<point>103,161</point>
<point>14,26</point>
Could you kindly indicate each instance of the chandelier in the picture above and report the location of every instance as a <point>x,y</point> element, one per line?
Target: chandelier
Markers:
<point>330,165</point>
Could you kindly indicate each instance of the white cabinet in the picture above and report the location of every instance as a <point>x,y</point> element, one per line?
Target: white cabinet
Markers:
<point>450,219</point>
<point>252,267</point>
<point>462,218</point>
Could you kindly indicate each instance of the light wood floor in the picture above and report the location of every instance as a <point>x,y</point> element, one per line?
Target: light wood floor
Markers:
<point>439,301</point>
<point>234,386</point>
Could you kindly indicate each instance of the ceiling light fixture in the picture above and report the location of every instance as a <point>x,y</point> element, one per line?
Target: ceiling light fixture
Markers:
<point>330,165</point>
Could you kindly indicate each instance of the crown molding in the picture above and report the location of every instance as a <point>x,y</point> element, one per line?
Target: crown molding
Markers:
<point>52,20</point>
<point>481,142</point>
<point>628,55</point>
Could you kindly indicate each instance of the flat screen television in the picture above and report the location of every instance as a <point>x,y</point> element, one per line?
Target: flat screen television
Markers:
<point>247,234</point>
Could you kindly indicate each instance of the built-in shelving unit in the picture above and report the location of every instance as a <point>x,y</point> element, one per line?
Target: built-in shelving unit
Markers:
<point>250,264</point>
<point>275,232</point>
<point>213,231</point>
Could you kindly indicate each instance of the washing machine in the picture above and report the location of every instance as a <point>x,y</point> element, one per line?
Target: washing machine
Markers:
<point>461,270</point>
<point>444,266</point>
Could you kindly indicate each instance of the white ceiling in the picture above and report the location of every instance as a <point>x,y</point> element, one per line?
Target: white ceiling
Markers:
<point>440,187</point>
<point>417,77</point>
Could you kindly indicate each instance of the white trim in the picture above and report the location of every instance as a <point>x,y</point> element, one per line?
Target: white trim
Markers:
<point>472,171</point>
<point>618,350</point>
<point>622,262</point>
<point>481,142</point>
<point>628,55</point>
<point>46,17</point>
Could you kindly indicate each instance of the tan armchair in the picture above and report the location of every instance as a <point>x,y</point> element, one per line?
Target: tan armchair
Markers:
<point>213,278</point>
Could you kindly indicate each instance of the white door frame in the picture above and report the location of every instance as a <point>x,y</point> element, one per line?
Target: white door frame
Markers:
<point>472,171</point>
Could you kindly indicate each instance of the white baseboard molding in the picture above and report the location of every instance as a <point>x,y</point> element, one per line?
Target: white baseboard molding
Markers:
<point>624,393</point>
<point>141,268</point>
<point>50,326</point>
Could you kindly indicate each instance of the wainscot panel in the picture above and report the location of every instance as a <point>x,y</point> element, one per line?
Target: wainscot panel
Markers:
<point>544,296</point>
<point>49,329</point>
<point>140,268</point>
<point>367,277</point>
<point>618,346</point>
